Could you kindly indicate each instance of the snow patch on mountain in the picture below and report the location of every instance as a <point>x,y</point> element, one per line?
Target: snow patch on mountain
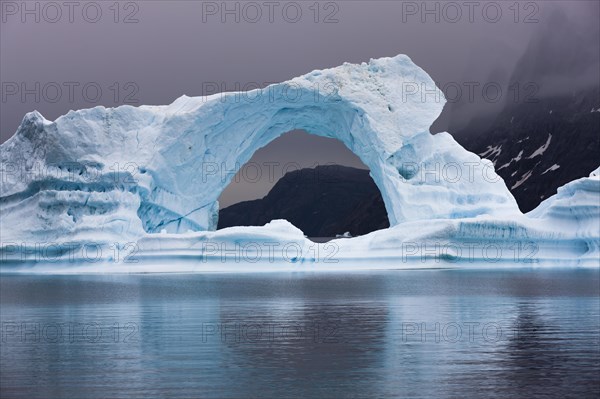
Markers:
<point>523,179</point>
<point>515,159</point>
<point>542,149</point>
<point>551,168</point>
<point>492,152</point>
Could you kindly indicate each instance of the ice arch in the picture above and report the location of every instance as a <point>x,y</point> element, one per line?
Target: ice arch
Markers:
<point>178,158</point>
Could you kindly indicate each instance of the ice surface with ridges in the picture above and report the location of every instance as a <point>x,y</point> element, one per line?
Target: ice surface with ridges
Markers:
<point>130,174</point>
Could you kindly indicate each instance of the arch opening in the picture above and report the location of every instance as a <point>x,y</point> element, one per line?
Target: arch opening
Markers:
<point>314,182</point>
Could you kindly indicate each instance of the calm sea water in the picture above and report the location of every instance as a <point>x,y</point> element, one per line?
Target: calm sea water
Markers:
<point>441,333</point>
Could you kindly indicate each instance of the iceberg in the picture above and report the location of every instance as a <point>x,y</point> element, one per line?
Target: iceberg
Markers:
<point>143,182</point>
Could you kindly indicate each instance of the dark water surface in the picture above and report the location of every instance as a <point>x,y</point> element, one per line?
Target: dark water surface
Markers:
<point>441,333</point>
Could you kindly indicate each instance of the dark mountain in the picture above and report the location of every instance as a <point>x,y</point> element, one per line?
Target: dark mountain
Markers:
<point>322,202</point>
<point>539,146</point>
<point>549,135</point>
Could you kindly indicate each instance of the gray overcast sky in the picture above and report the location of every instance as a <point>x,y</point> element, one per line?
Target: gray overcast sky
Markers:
<point>178,47</point>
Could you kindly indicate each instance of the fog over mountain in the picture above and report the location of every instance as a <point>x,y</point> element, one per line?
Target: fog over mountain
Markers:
<point>561,58</point>
<point>552,134</point>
